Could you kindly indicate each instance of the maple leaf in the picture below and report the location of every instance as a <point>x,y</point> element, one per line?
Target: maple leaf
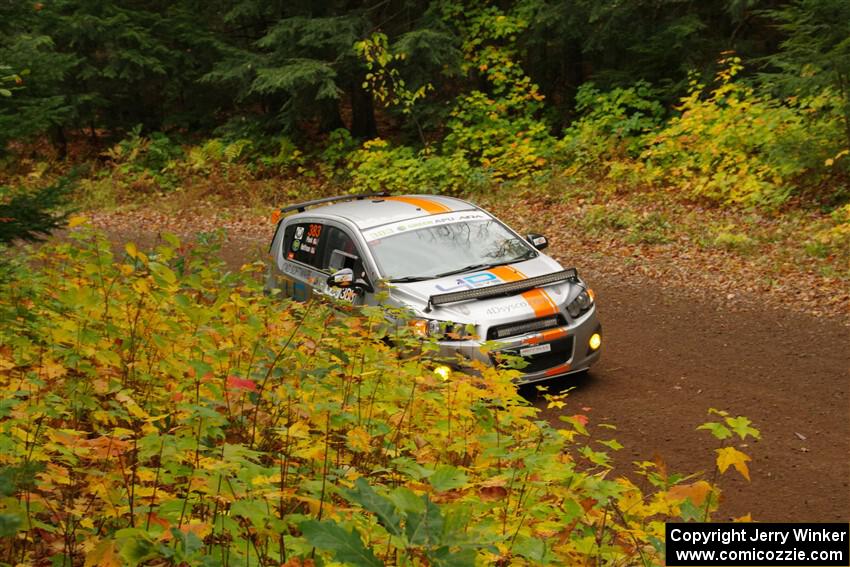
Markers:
<point>695,492</point>
<point>742,426</point>
<point>53,369</point>
<point>358,439</point>
<point>76,221</point>
<point>731,456</point>
<point>237,383</point>
<point>104,554</point>
<point>492,493</point>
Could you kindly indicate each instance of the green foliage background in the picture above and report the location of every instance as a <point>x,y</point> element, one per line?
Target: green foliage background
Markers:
<point>435,96</point>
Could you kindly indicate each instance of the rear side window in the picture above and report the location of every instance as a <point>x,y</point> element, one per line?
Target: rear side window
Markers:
<point>301,242</point>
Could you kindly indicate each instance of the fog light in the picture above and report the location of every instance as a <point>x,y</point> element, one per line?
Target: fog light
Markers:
<point>595,341</point>
<point>443,372</point>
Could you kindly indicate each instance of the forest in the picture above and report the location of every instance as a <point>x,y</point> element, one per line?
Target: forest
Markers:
<point>157,408</point>
<point>743,104</point>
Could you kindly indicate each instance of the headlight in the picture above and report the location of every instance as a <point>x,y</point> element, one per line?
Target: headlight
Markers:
<point>443,330</point>
<point>581,303</point>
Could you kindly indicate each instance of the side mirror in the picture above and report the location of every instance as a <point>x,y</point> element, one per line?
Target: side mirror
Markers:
<point>537,240</point>
<point>362,285</point>
<point>341,278</point>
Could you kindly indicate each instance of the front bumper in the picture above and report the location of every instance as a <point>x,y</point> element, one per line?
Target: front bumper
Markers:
<point>568,349</point>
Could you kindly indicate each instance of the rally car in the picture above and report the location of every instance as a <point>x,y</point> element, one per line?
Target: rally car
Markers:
<point>464,277</point>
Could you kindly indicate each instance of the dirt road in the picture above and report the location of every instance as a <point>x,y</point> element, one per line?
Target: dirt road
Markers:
<point>669,357</point>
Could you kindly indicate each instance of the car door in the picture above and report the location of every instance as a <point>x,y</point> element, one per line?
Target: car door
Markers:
<point>311,251</point>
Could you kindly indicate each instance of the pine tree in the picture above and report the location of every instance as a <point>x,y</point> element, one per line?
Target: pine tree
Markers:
<point>38,71</point>
<point>620,42</point>
<point>102,64</point>
<point>816,52</point>
<point>31,215</point>
<point>300,63</point>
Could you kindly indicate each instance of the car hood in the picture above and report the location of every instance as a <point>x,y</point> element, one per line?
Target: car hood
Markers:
<point>493,310</point>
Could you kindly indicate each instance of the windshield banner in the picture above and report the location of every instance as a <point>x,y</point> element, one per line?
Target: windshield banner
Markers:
<point>399,227</point>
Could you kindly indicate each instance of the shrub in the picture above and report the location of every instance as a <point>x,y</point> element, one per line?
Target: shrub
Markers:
<point>497,127</point>
<point>288,156</point>
<point>214,153</point>
<point>834,237</point>
<point>158,408</point>
<point>142,160</point>
<point>377,166</point>
<point>335,152</point>
<point>611,125</point>
<point>499,135</point>
<point>136,152</point>
<point>728,239</point>
<point>735,146</point>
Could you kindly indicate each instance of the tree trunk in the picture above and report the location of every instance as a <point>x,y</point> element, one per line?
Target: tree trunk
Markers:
<point>329,118</point>
<point>363,123</point>
<point>60,143</point>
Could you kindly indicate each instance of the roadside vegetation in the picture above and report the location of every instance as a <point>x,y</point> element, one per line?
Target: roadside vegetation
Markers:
<point>158,408</point>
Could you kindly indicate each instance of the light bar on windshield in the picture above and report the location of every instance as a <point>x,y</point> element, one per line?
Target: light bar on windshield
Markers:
<point>502,289</point>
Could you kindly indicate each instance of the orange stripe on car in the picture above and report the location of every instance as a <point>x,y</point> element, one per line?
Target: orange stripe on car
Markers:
<point>507,273</point>
<point>546,336</point>
<point>427,205</point>
<point>538,299</point>
<point>558,369</point>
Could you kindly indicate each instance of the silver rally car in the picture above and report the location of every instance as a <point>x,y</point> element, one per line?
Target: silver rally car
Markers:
<point>464,276</point>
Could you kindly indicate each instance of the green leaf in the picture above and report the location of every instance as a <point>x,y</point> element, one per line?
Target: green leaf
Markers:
<point>406,500</point>
<point>741,426</point>
<point>345,546</point>
<point>171,239</point>
<point>446,557</point>
<point>255,511</point>
<point>136,547</point>
<point>531,548</point>
<point>381,506</point>
<point>9,524</point>
<point>425,528</point>
<point>596,457</point>
<point>447,477</point>
<point>163,272</point>
<point>719,430</point>
<point>188,541</point>
<point>575,422</point>
<point>612,444</point>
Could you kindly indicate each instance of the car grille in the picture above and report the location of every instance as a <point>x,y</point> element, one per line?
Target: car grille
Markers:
<point>513,329</point>
<point>562,351</point>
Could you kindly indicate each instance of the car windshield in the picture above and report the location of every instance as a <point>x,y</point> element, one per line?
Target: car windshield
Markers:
<point>445,249</point>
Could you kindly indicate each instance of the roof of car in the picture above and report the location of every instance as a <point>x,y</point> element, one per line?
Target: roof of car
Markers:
<point>379,210</point>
